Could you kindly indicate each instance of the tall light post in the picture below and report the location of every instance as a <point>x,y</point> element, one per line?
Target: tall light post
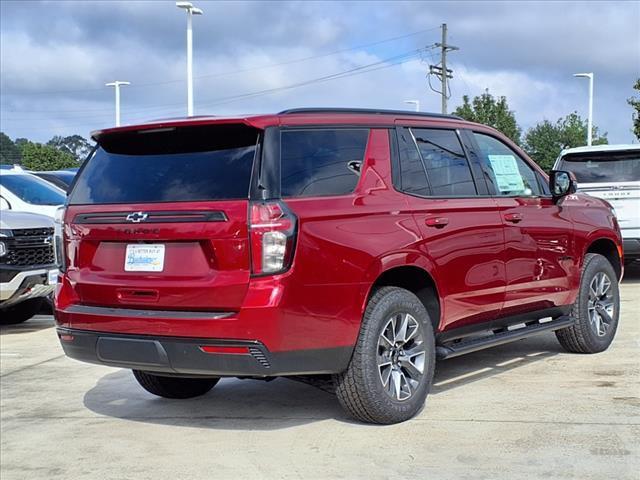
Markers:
<point>117,85</point>
<point>191,11</point>
<point>416,103</point>
<point>590,118</point>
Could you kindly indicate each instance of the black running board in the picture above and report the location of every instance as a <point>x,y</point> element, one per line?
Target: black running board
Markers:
<point>455,349</point>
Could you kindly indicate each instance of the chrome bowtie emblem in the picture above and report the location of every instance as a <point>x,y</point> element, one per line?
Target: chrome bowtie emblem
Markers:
<point>137,217</point>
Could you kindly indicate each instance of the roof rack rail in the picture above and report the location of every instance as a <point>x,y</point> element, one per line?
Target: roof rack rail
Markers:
<point>373,111</point>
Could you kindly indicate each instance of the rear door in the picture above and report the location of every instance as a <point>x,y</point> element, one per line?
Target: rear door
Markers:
<point>538,232</point>
<point>158,219</point>
<point>461,230</point>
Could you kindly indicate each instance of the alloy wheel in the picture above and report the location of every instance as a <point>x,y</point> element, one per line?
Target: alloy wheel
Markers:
<point>600,307</point>
<point>401,356</point>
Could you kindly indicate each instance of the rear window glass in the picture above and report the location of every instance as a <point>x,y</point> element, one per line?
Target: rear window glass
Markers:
<point>169,165</point>
<point>32,189</point>
<point>603,167</point>
<point>321,162</point>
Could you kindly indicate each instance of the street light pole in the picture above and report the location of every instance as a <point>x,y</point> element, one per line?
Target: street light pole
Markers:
<point>117,85</point>
<point>191,11</point>
<point>416,103</point>
<point>590,118</point>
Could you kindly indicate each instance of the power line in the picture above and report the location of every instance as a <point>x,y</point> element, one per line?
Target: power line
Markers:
<point>245,70</point>
<point>385,63</point>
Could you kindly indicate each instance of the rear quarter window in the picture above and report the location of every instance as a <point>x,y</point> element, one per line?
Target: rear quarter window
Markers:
<point>321,162</point>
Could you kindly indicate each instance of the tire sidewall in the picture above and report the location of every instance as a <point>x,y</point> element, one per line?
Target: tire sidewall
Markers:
<point>595,265</point>
<point>394,302</point>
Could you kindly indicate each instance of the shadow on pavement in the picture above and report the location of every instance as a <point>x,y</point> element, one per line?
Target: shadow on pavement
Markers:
<point>35,324</point>
<point>232,404</point>
<point>282,403</point>
<point>473,367</point>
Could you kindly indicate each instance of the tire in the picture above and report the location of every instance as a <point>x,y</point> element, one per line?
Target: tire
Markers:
<point>21,312</point>
<point>174,387</point>
<point>592,331</point>
<point>361,389</point>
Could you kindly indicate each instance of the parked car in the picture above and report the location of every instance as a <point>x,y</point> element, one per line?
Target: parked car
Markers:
<point>28,268</point>
<point>60,178</point>
<point>24,192</point>
<point>354,243</point>
<point>611,172</point>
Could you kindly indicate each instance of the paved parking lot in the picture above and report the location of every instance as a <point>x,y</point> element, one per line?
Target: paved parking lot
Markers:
<point>525,410</point>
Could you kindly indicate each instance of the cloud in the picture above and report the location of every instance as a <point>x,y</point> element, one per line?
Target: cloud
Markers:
<point>56,57</point>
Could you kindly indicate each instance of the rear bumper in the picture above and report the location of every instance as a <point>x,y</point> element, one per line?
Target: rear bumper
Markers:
<point>19,284</point>
<point>189,356</point>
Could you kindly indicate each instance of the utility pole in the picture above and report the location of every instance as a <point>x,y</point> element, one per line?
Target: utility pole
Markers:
<point>117,85</point>
<point>441,71</point>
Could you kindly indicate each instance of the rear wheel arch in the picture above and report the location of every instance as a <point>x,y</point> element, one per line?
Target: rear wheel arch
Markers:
<point>608,249</point>
<point>418,281</point>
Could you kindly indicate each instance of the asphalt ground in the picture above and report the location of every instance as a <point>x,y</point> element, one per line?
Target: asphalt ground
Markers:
<point>527,410</point>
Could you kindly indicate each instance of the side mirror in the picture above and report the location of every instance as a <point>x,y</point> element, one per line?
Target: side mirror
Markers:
<point>562,183</point>
<point>4,205</point>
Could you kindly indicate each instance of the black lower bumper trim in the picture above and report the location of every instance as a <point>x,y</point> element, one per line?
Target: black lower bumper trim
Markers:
<point>183,356</point>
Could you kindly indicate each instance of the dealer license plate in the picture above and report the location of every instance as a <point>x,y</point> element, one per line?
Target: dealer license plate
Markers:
<point>144,258</point>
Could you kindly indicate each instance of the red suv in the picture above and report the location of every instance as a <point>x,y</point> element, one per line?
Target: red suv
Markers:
<point>354,243</point>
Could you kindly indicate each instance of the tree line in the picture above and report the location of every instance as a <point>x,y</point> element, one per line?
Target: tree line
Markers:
<point>543,142</point>
<point>58,153</point>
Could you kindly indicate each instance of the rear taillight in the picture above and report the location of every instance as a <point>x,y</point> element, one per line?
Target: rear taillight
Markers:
<point>58,238</point>
<point>272,228</point>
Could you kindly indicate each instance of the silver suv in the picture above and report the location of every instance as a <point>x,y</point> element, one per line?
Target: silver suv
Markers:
<point>611,172</point>
<point>28,268</point>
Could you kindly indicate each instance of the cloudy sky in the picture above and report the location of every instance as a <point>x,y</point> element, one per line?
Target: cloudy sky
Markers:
<point>57,55</point>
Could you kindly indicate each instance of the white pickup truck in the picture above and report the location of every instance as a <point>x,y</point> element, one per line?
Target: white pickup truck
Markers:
<point>611,172</point>
<point>28,267</point>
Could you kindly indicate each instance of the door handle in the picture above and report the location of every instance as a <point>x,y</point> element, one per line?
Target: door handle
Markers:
<point>438,222</point>
<point>513,217</point>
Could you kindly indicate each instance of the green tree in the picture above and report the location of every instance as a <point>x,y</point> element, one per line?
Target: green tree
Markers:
<point>546,140</point>
<point>9,153</point>
<point>36,156</point>
<point>635,104</point>
<point>76,145</point>
<point>491,111</point>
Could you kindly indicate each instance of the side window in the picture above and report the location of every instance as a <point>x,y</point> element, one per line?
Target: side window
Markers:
<point>544,184</point>
<point>321,162</point>
<point>447,167</point>
<point>510,174</point>
<point>412,174</point>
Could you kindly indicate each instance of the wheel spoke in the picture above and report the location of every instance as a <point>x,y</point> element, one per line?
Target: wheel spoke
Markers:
<point>415,366</point>
<point>384,337</point>
<point>396,380</point>
<point>405,386</point>
<point>402,330</point>
<point>385,373</point>
<point>401,356</point>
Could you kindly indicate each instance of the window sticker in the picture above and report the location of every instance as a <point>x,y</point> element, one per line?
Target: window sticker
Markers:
<point>507,174</point>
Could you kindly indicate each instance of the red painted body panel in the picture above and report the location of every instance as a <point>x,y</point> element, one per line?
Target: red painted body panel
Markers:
<point>483,267</point>
<point>539,254</point>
